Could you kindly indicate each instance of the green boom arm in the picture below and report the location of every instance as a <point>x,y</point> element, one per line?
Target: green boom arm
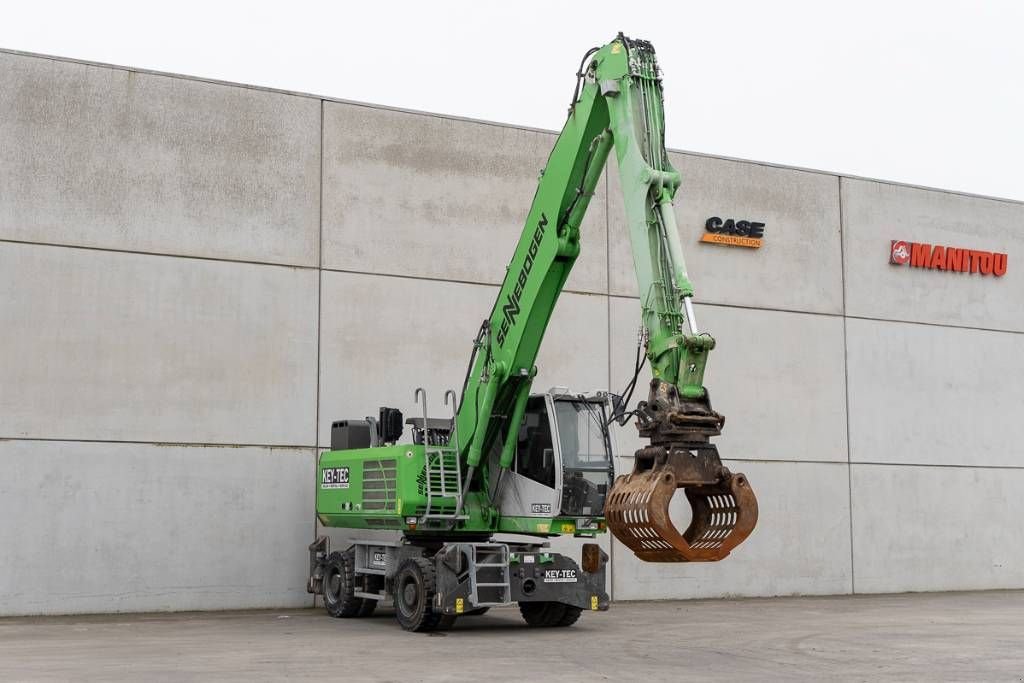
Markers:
<point>620,106</point>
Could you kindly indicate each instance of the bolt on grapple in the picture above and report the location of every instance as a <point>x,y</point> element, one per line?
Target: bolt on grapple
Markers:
<point>680,457</point>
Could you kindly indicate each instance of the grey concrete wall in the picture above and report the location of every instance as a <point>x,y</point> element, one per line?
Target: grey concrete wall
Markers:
<point>197,278</point>
<point>875,213</point>
<point>158,376</point>
<point>136,347</point>
<point>118,159</point>
<point>799,268</point>
<point>113,527</point>
<point>436,197</point>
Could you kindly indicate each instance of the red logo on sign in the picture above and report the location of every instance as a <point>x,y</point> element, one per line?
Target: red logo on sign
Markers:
<point>939,257</point>
<point>899,252</point>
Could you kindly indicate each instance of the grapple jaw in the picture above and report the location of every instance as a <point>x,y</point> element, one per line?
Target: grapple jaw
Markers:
<point>680,457</point>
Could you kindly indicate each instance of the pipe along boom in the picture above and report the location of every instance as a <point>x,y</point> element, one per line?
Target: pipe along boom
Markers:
<point>512,460</point>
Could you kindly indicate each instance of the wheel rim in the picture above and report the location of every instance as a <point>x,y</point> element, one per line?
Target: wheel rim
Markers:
<point>408,595</point>
<point>332,587</point>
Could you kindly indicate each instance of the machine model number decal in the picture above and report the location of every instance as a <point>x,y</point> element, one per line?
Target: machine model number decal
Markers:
<point>379,557</point>
<point>334,478</point>
<point>541,508</point>
<point>559,576</point>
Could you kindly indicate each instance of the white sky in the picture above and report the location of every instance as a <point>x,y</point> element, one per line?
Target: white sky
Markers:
<point>930,93</point>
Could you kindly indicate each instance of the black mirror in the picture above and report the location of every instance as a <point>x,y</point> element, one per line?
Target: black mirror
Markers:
<point>390,424</point>
<point>618,409</point>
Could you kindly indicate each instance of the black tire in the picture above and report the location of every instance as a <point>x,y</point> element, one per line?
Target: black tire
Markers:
<point>476,612</point>
<point>339,586</point>
<point>572,615</point>
<point>413,590</point>
<point>542,614</point>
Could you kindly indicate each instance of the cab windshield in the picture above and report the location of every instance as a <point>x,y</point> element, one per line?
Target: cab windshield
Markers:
<point>586,456</point>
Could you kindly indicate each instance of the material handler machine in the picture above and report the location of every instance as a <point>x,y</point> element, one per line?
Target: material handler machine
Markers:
<point>538,465</point>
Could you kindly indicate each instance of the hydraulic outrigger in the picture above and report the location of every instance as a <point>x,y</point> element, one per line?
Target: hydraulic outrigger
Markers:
<point>540,464</point>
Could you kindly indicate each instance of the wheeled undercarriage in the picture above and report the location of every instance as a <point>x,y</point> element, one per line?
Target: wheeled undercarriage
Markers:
<point>430,585</point>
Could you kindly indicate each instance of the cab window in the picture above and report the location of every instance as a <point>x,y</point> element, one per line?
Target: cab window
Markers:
<point>535,458</point>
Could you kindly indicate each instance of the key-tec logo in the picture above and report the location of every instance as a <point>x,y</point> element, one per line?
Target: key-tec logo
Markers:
<point>954,259</point>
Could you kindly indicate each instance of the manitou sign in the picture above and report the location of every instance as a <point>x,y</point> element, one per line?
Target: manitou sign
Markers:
<point>937,257</point>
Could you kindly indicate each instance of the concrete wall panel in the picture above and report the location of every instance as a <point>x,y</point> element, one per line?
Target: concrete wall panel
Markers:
<point>923,394</point>
<point>102,527</point>
<point>381,337</point>
<point>875,213</point>
<point>797,268</point>
<point>128,347</point>
<point>937,528</point>
<point>776,376</point>
<point>801,545</point>
<point>415,194</point>
<point>111,158</point>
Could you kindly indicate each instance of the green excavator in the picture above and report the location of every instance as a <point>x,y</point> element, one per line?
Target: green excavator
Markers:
<point>508,461</point>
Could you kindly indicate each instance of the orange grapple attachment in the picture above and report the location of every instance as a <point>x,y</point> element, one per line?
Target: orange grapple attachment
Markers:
<point>724,506</point>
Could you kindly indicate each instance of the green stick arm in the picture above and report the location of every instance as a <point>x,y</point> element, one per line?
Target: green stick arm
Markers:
<point>676,350</point>
<point>620,106</point>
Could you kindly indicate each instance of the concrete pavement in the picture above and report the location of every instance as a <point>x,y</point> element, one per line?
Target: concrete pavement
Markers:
<point>912,637</point>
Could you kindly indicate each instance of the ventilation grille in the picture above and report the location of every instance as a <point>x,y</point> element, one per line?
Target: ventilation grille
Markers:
<point>380,484</point>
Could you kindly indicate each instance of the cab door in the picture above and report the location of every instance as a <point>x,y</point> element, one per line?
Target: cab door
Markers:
<point>533,485</point>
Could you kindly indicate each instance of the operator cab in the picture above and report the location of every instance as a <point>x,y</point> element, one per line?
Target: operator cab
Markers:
<point>563,464</point>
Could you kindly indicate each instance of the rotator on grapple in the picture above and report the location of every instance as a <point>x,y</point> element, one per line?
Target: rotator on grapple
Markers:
<point>540,465</point>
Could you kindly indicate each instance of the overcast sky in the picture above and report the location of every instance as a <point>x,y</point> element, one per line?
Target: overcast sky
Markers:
<point>930,93</point>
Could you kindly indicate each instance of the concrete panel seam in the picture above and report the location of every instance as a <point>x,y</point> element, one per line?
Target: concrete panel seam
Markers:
<point>494,285</point>
<point>929,188</point>
<point>319,279</point>
<point>136,252</point>
<point>837,315</point>
<point>297,266</point>
<point>319,324</point>
<point>155,72</point>
<point>846,384</point>
<point>608,308</point>
<point>710,302</point>
<point>926,324</point>
<point>183,444</point>
<point>930,465</point>
<point>849,176</point>
<point>790,462</point>
<point>755,162</point>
